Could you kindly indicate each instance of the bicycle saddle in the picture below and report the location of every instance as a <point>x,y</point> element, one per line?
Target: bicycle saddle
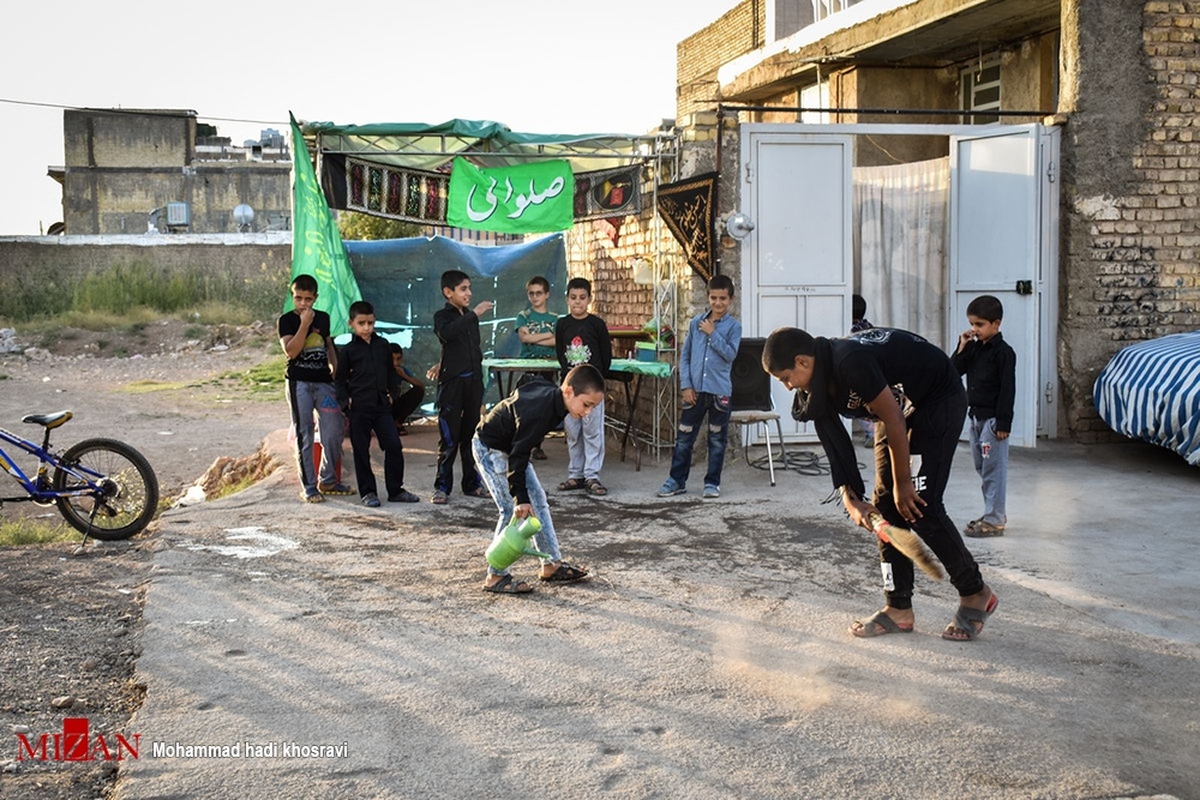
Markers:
<point>51,421</point>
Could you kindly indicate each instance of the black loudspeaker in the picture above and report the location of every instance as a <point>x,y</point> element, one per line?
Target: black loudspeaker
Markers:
<point>751,383</point>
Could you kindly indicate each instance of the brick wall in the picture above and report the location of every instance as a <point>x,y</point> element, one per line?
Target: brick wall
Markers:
<point>698,57</point>
<point>616,297</point>
<point>1131,163</point>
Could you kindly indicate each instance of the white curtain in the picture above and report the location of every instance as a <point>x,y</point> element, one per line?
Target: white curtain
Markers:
<point>901,245</point>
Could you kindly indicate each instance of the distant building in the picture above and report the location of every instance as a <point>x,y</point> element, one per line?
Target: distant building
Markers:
<point>133,171</point>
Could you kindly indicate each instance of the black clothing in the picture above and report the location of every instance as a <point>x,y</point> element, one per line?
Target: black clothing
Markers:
<point>518,424</point>
<point>405,404</point>
<point>459,394</point>
<point>847,374</point>
<point>458,402</point>
<point>381,422</point>
<point>991,370</point>
<point>462,354</point>
<point>313,362</point>
<point>366,375</point>
<point>583,341</point>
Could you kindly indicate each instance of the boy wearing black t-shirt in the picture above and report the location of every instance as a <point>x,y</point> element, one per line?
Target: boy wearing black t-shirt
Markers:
<point>304,333</point>
<point>915,396</point>
<point>583,338</point>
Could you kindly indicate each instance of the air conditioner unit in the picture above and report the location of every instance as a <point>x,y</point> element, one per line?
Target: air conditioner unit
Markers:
<point>179,215</point>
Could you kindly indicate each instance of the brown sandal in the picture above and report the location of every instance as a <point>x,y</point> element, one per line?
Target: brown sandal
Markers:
<point>595,487</point>
<point>572,484</point>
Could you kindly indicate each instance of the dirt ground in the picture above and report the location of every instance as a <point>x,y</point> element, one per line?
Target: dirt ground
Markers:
<point>72,616</point>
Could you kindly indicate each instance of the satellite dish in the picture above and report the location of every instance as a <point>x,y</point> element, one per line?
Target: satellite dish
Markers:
<point>738,225</point>
<point>243,215</point>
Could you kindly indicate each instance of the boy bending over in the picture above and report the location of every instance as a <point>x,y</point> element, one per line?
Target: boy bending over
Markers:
<point>502,445</point>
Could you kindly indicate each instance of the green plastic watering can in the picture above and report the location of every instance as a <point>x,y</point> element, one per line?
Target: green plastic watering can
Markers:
<point>511,543</point>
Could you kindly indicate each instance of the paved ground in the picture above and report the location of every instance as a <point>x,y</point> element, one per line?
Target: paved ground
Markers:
<point>708,658</point>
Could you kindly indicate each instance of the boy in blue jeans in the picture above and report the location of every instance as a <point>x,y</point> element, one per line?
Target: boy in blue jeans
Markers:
<point>990,365</point>
<point>705,364</point>
<point>307,341</point>
<point>503,445</point>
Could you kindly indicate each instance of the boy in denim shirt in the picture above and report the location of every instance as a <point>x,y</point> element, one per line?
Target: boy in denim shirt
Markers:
<point>705,364</point>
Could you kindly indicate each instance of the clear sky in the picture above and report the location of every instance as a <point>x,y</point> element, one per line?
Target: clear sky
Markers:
<point>539,66</point>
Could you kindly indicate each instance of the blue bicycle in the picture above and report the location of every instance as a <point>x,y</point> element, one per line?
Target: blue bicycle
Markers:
<point>103,488</point>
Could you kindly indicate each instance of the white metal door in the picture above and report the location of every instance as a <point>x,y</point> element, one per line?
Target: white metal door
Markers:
<point>797,262</point>
<point>997,245</point>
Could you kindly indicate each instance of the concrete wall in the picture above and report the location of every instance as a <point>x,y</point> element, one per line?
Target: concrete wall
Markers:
<point>45,269</point>
<point>132,139</point>
<point>121,166</point>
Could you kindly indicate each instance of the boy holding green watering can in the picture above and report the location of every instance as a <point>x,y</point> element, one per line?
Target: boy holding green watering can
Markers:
<point>502,445</point>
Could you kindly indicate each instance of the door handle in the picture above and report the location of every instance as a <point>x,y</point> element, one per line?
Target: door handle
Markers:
<point>1024,287</point>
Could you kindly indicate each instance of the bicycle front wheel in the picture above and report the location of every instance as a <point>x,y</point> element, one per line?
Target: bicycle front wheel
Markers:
<point>126,494</point>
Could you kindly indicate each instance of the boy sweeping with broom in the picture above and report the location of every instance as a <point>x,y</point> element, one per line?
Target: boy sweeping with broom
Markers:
<point>913,391</point>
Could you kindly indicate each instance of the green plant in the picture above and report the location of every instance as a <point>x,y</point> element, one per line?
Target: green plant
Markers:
<point>267,377</point>
<point>219,312</point>
<point>354,225</point>
<point>25,531</point>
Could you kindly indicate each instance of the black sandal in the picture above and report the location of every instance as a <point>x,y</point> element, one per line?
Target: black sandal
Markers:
<point>565,573</point>
<point>506,585</point>
<point>572,484</point>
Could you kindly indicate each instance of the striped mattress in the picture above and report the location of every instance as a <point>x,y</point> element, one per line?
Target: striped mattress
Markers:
<point>1151,391</point>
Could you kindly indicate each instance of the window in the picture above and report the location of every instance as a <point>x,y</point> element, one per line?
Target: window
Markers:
<point>980,85</point>
<point>785,17</point>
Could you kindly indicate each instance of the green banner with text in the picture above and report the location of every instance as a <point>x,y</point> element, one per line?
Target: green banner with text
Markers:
<point>528,198</point>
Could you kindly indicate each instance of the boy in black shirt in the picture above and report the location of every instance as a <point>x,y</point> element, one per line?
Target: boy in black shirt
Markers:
<point>916,397</point>
<point>406,401</point>
<point>583,338</point>
<point>990,365</point>
<point>460,385</point>
<point>503,445</point>
<point>305,335</point>
<point>365,373</point>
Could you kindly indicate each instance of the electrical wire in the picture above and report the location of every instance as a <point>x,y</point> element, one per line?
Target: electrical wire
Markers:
<point>805,462</point>
<point>66,107</point>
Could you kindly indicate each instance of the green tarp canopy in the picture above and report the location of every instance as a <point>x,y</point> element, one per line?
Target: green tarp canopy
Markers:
<point>489,144</point>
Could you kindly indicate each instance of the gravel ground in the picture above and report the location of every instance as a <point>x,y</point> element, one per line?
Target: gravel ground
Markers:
<point>72,616</point>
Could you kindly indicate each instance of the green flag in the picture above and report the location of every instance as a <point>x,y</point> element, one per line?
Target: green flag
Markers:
<point>316,245</point>
<point>529,198</point>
